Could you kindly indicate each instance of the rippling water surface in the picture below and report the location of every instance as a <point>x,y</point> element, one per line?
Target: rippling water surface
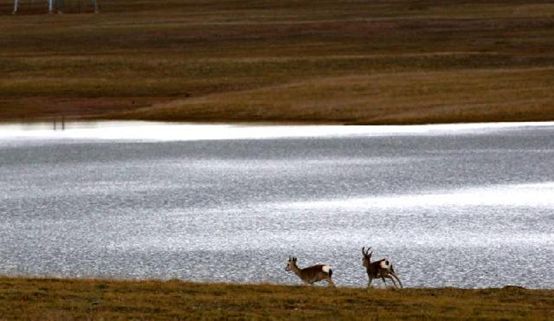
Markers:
<point>450,205</point>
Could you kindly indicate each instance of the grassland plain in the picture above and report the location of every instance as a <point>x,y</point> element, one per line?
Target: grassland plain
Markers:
<point>56,299</point>
<point>330,61</point>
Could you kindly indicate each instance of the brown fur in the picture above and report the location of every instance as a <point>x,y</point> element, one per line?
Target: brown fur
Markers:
<point>311,274</point>
<point>375,270</point>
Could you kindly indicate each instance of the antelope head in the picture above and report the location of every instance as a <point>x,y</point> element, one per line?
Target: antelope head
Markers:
<point>367,257</point>
<point>291,264</point>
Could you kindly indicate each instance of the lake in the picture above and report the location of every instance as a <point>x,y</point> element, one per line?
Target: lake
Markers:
<point>469,205</point>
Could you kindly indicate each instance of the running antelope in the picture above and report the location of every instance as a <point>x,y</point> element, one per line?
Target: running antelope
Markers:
<point>379,269</point>
<point>311,274</point>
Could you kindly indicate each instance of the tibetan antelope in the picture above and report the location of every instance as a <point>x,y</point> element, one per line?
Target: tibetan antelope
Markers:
<point>379,269</point>
<point>311,274</point>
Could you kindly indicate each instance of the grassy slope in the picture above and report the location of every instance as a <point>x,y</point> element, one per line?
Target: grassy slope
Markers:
<point>349,61</point>
<point>45,299</point>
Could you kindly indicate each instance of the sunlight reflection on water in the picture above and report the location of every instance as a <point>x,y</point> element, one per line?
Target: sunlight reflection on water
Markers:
<point>154,200</point>
<point>160,131</point>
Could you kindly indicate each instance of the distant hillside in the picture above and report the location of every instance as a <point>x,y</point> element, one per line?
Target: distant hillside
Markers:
<point>324,61</point>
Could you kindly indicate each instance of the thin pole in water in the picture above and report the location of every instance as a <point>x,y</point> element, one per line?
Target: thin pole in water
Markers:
<point>15,6</point>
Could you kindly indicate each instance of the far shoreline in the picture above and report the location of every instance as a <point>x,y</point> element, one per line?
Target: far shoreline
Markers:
<point>129,130</point>
<point>124,117</point>
<point>230,122</point>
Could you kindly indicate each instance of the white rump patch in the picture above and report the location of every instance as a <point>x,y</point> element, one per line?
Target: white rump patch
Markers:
<point>326,268</point>
<point>385,264</point>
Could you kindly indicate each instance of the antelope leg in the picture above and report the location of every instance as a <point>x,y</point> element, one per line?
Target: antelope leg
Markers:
<point>383,278</point>
<point>397,279</point>
<point>393,282</point>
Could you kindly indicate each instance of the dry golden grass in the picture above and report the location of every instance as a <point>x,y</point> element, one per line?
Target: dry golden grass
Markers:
<point>417,97</point>
<point>51,299</point>
<point>352,61</point>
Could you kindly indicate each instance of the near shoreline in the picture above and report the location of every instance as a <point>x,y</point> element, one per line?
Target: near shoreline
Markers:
<point>81,299</point>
